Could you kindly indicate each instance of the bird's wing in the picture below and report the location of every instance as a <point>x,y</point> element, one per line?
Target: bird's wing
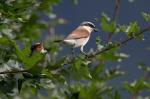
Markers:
<point>78,33</point>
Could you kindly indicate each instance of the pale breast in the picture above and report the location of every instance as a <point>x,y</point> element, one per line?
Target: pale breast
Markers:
<point>70,41</point>
<point>81,42</point>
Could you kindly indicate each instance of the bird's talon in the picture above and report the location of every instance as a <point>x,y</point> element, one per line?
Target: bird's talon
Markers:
<point>84,53</point>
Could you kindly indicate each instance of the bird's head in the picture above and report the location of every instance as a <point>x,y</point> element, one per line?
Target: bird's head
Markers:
<point>89,26</point>
<point>38,47</point>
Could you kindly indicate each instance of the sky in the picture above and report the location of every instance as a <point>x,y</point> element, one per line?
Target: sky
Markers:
<point>89,10</point>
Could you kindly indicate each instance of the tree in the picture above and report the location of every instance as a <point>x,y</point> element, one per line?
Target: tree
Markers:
<point>80,77</point>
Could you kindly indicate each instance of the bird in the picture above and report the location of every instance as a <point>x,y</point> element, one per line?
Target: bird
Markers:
<point>79,37</point>
<point>37,47</point>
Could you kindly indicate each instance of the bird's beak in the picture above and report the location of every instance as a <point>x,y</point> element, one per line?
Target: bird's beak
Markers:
<point>43,51</point>
<point>95,30</point>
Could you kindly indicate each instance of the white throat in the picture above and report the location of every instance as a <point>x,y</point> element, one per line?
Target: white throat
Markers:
<point>89,29</point>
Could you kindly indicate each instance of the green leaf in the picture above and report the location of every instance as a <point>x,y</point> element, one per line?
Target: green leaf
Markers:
<point>106,25</point>
<point>95,90</point>
<point>98,40</point>
<point>97,70</point>
<point>78,70</point>
<point>146,16</point>
<point>111,74</point>
<point>131,30</point>
<point>117,95</point>
<point>46,5</point>
<point>28,62</point>
<point>46,72</point>
<point>112,54</point>
<point>136,86</point>
<point>143,67</point>
<point>5,41</point>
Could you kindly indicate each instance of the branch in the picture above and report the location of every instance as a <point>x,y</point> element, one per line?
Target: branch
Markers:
<point>119,44</point>
<point>116,11</point>
<point>92,55</point>
<point>114,18</point>
<point>13,72</point>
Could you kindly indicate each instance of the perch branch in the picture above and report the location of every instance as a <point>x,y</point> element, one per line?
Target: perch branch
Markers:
<point>121,43</point>
<point>91,55</point>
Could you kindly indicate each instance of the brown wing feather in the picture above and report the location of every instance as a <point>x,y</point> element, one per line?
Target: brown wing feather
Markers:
<point>78,33</point>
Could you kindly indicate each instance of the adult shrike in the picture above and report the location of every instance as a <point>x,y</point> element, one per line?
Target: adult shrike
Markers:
<point>80,36</point>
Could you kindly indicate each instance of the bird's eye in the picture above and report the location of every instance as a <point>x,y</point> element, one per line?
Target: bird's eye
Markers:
<point>92,26</point>
<point>39,47</point>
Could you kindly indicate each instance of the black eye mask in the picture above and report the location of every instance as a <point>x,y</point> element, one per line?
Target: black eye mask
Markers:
<point>89,24</point>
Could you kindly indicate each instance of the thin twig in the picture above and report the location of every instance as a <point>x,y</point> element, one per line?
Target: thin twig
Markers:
<point>116,11</point>
<point>13,71</point>
<point>121,43</point>
<point>114,18</point>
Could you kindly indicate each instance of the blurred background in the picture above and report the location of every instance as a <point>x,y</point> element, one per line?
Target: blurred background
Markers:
<point>130,11</point>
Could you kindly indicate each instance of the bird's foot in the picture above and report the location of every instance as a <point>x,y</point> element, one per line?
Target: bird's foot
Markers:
<point>84,53</point>
<point>72,53</point>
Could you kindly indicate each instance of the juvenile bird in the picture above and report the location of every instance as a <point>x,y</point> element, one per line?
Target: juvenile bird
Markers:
<point>37,47</point>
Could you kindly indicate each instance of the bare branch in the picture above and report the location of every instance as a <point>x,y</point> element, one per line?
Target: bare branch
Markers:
<point>114,18</point>
<point>116,11</point>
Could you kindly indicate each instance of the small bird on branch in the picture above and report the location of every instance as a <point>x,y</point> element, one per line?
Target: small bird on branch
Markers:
<point>79,37</point>
<point>37,47</point>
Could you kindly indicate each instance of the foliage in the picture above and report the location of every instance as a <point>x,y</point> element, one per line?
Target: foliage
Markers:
<point>146,16</point>
<point>64,77</point>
